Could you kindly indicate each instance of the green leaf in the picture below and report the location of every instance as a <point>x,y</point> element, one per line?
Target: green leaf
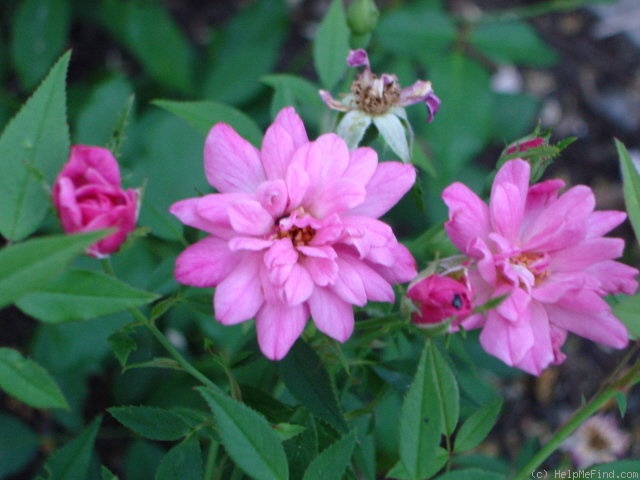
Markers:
<point>39,34</point>
<point>445,389</point>
<point>631,187</point>
<point>621,401</point>
<point>627,309</point>
<point>18,445</point>
<point>333,460</point>
<point>331,45</point>
<point>24,268</point>
<point>511,43</point>
<point>27,381</point>
<point>247,48</point>
<point>477,426</point>
<point>82,295</point>
<point>291,90</point>
<point>420,423</point>
<point>151,422</point>
<point>629,466</point>
<point>33,147</point>
<point>122,344</point>
<point>182,462</point>
<point>203,115</point>
<point>150,34</point>
<point>247,437</point>
<point>71,462</point>
<point>471,474</point>
<point>306,378</point>
<point>417,31</point>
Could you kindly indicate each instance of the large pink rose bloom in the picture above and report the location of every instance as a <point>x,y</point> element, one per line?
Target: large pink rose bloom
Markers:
<point>87,196</point>
<point>546,254</point>
<point>293,231</point>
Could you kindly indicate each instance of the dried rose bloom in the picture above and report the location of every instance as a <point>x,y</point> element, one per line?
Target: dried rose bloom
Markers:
<point>380,100</point>
<point>598,440</point>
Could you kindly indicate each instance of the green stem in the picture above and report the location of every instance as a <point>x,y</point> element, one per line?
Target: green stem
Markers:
<point>631,377</point>
<point>209,469</point>
<point>168,346</point>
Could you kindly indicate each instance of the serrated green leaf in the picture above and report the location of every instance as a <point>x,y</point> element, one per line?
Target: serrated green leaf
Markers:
<point>71,462</point>
<point>477,426</point>
<point>33,147</point>
<point>151,422</point>
<point>247,48</point>
<point>303,448</point>
<point>82,295</point>
<point>247,437</point>
<point>420,423</point>
<point>203,115</point>
<point>287,431</point>
<point>511,43</point>
<point>148,31</point>
<point>331,45</point>
<point>306,378</point>
<point>24,267</point>
<point>18,445</point>
<point>471,474</point>
<point>122,344</point>
<point>39,35</point>
<point>182,462</point>
<point>445,389</point>
<point>332,461</point>
<point>27,381</point>
<point>627,309</point>
<point>631,187</point>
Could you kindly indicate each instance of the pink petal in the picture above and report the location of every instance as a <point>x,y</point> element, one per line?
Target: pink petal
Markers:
<point>388,185</point>
<point>321,265</point>
<point>363,163</point>
<point>297,184</point>
<point>239,296</point>
<point>403,268</point>
<point>586,253</point>
<point>332,315</point>
<point>514,172</point>
<point>249,243</point>
<point>205,263</point>
<point>507,209</point>
<point>614,277</point>
<point>231,164</point>
<point>509,341</point>
<point>603,221</point>
<point>586,314</point>
<point>248,217</point>
<point>542,354</point>
<point>563,222</point>
<point>468,216</point>
<point>67,205</point>
<point>273,197</point>
<point>278,327</point>
<point>298,286</point>
<point>337,197</point>
<point>285,135</point>
<point>376,288</point>
<point>83,158</point>
<point>348,285</point>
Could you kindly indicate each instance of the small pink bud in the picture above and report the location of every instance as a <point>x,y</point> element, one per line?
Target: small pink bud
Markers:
<point>438,298</point>
<point>358,58</point>
<point>88,197</point>
<point>523,146</point>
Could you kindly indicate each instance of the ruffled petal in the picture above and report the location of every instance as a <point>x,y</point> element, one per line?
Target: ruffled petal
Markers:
<point>231,163</point>
<point>363,163</point>
<point>507,209</point>
<point>248,217</point>
<point>507,340</point>
<point>205,263</point>
<point>332,315</point>
<point>278,327</point>
<point>468,216</point>
<point>388,185</point>
<point>543,353</point>
<point>281,140</point>
<point>336,197</point>
<point>239,296</point>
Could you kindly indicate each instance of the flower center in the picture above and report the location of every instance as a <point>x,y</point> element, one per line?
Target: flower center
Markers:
<point>298,236</point>
<point>374,95</point>
<point>535,263</point>
<point>596,440</point>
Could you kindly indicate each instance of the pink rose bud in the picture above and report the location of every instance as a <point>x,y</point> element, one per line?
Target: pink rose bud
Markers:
<point>523,146</point>
<point>87,196</point>
<point>438,298</point>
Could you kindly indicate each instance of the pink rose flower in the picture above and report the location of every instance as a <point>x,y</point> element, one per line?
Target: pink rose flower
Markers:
<point>546,254</point>
<point>438,298</point>
<point>87,196</point>
<point>293,232</point>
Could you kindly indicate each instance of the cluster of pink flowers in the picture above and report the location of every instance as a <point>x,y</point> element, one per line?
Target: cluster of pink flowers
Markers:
<point>544,253</point>
<point>88,196</point>
<point>293,231</point>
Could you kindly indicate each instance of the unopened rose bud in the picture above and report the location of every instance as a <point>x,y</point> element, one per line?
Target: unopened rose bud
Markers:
<point>438,298</point>
<point>362,16</point>
<point>524,145</point>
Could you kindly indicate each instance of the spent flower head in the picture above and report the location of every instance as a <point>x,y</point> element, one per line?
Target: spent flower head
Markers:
<point>598,440</point>
<point>380,100</point>
<point>294,232</point>
<point>545,253</point>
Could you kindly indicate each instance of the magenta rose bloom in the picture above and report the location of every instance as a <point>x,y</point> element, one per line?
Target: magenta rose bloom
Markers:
<point>87,196</point>
<point>438,298</point>
<point>546,254</point>
<point>294,231</point>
